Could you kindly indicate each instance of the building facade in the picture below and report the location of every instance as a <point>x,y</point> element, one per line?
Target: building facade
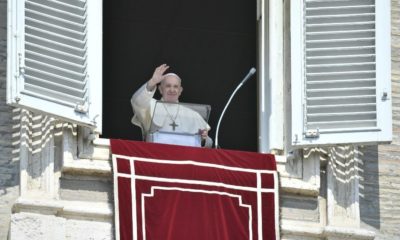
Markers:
<point>55,182</point>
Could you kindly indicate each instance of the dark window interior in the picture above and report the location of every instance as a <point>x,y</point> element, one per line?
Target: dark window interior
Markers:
<point>210,44</point>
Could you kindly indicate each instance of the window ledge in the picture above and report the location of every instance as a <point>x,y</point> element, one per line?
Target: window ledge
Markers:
<point>296,229</point>
<point>95,159</point>
<point>298,175</point>
<point>67,209</point>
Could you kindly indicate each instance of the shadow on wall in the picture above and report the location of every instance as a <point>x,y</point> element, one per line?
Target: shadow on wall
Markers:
<point>356,168</point>
<point>350,164</point>
<point>9,145</point>
<point>9,164</point>
<point>39,147</point>
<point>27,136</point>
<point>369,186</point>
<point>344,165</point>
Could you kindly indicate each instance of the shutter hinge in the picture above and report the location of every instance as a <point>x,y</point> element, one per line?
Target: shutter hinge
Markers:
<point>385,96</point>
<point>21,70</point>
<point>312,133</point>
<point>82,108</point>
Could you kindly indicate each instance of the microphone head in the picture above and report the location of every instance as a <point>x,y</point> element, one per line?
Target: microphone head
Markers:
<point>252,71</point>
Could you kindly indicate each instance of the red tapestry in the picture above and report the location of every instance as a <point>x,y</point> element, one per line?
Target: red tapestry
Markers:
<point>180,193</point>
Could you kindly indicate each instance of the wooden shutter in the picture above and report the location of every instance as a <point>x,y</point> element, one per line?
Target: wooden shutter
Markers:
<point>54,58</point>
<point>340,64</point>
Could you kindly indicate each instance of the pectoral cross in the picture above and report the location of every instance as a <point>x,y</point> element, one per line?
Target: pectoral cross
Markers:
<point>173,125</point>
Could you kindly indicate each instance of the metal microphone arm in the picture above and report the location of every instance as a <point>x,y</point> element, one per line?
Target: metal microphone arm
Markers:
<point>251,73</point>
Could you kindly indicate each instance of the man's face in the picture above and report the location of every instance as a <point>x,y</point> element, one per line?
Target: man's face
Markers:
<point>170,89</point>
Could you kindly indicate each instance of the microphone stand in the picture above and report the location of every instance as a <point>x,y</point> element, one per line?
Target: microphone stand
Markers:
<point>251,73</point>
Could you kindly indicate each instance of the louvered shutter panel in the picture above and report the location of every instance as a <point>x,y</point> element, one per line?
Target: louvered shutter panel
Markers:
<point>340,65</point>
<point>54,58</point>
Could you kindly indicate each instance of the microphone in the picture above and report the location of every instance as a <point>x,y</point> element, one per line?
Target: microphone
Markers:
<point>247,77</point>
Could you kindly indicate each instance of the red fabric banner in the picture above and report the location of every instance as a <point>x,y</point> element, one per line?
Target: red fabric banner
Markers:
<point>174,192</point>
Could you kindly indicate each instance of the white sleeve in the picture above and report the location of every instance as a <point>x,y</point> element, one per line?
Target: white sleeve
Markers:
<point>142,97</point>
<point>141,104</point>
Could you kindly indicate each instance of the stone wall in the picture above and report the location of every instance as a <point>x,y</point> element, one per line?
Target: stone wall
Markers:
<point>378,171</point>
<point>9,164</point>
<point>380,176</point>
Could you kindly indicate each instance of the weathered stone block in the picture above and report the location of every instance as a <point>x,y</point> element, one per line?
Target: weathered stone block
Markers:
<point>37,226</point>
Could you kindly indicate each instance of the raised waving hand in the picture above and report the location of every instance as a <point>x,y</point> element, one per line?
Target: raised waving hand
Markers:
<point>157,77</point>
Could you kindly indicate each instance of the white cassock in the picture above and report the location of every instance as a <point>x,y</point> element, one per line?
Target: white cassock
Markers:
<point>169,117</point>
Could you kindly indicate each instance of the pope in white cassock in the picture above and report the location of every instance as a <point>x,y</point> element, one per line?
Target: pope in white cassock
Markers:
<point>170,117</point>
